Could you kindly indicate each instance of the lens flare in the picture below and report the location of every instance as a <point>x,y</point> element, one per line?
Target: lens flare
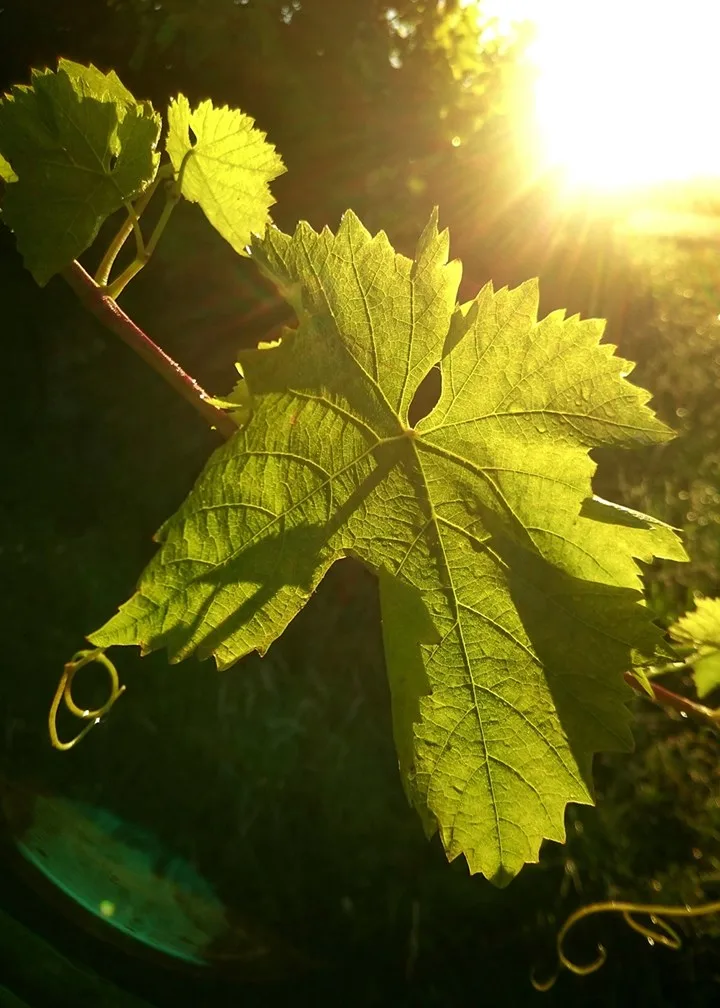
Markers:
<point>626,92</point>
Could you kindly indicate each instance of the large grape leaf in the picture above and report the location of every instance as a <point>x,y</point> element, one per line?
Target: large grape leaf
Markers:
<point>225,164</point>
<point>80,145</point>
<point>510,595</point>
<point>701,629</point>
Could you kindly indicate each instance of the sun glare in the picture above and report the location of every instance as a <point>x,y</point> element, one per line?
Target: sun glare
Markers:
<point>627,93</point>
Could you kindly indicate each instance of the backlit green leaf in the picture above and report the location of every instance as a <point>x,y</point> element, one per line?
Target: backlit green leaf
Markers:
<point>701,629</point>
<point>510,596</point>
<point>6,172</point>
<point>225,165</point>
<point>237,402</point>
<point>80,146</point>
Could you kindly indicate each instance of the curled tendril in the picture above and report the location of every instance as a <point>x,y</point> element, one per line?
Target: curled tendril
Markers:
<point>661,932</point>
<point>667,935</point>
<point>64,693</point>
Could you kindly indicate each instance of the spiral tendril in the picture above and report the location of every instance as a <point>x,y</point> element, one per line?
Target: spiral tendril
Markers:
<point>661,932</point>
<point>64,693</point>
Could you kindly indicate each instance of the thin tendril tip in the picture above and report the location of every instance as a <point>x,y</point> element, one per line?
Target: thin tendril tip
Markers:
<point>662,932</point>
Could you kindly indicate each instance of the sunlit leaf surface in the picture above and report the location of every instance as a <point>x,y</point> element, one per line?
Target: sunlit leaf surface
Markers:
<point>701,629</point>
<point>225,164</point>
<point>6,172</point>
<point>510,595</point>
<point>80,145</point>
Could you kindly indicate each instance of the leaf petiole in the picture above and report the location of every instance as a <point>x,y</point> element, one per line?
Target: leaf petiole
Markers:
<point>97,300</point>
<point>144,251</point>
<point>130,225</point>
<point>666,698</point>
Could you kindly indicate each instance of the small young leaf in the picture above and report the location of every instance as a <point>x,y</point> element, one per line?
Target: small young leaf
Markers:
<point>706,673</point>
<point>237,402</point>
<point>224,164</point>
<point>6,172</point>
<point>511,598</point>
<point>701,629</point>
<point>80,145</point>
<point>642,677</point>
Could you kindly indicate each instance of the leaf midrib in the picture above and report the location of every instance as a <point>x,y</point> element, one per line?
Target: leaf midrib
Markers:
<point>433,517</point>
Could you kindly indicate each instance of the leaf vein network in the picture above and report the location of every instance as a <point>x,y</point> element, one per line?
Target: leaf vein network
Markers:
<point>453,598</point>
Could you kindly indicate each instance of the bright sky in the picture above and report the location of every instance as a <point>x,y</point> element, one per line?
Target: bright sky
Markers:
<point>628,92</point>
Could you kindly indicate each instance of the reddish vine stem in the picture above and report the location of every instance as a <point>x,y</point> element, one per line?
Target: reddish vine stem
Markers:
<point>666,698</point>
<point>114,318</point>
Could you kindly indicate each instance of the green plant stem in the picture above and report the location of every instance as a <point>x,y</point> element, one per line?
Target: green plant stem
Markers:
<point>683,705</point>
<point>114,289</point>
<point>98,301</point>
<point>145,251</point>
<point>130,224</point>
<point>103,271</point>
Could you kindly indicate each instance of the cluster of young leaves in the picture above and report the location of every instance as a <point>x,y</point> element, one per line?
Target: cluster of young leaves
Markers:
<point>511,596</point>
<point>76,146</point>
<point>700,630</point>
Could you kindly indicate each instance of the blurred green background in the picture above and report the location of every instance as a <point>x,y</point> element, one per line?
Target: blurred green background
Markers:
<point>278,778</point>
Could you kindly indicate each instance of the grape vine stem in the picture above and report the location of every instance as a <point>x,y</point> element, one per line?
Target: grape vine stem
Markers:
<point>107,311</point>
<point>683,705</point>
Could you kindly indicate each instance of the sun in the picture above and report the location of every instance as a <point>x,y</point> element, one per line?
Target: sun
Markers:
<point>627,94</point>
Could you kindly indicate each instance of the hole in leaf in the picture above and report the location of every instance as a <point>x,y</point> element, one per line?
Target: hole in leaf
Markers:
<point>112,162</point>
<point>192,136</point>
<point>426,396</point>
